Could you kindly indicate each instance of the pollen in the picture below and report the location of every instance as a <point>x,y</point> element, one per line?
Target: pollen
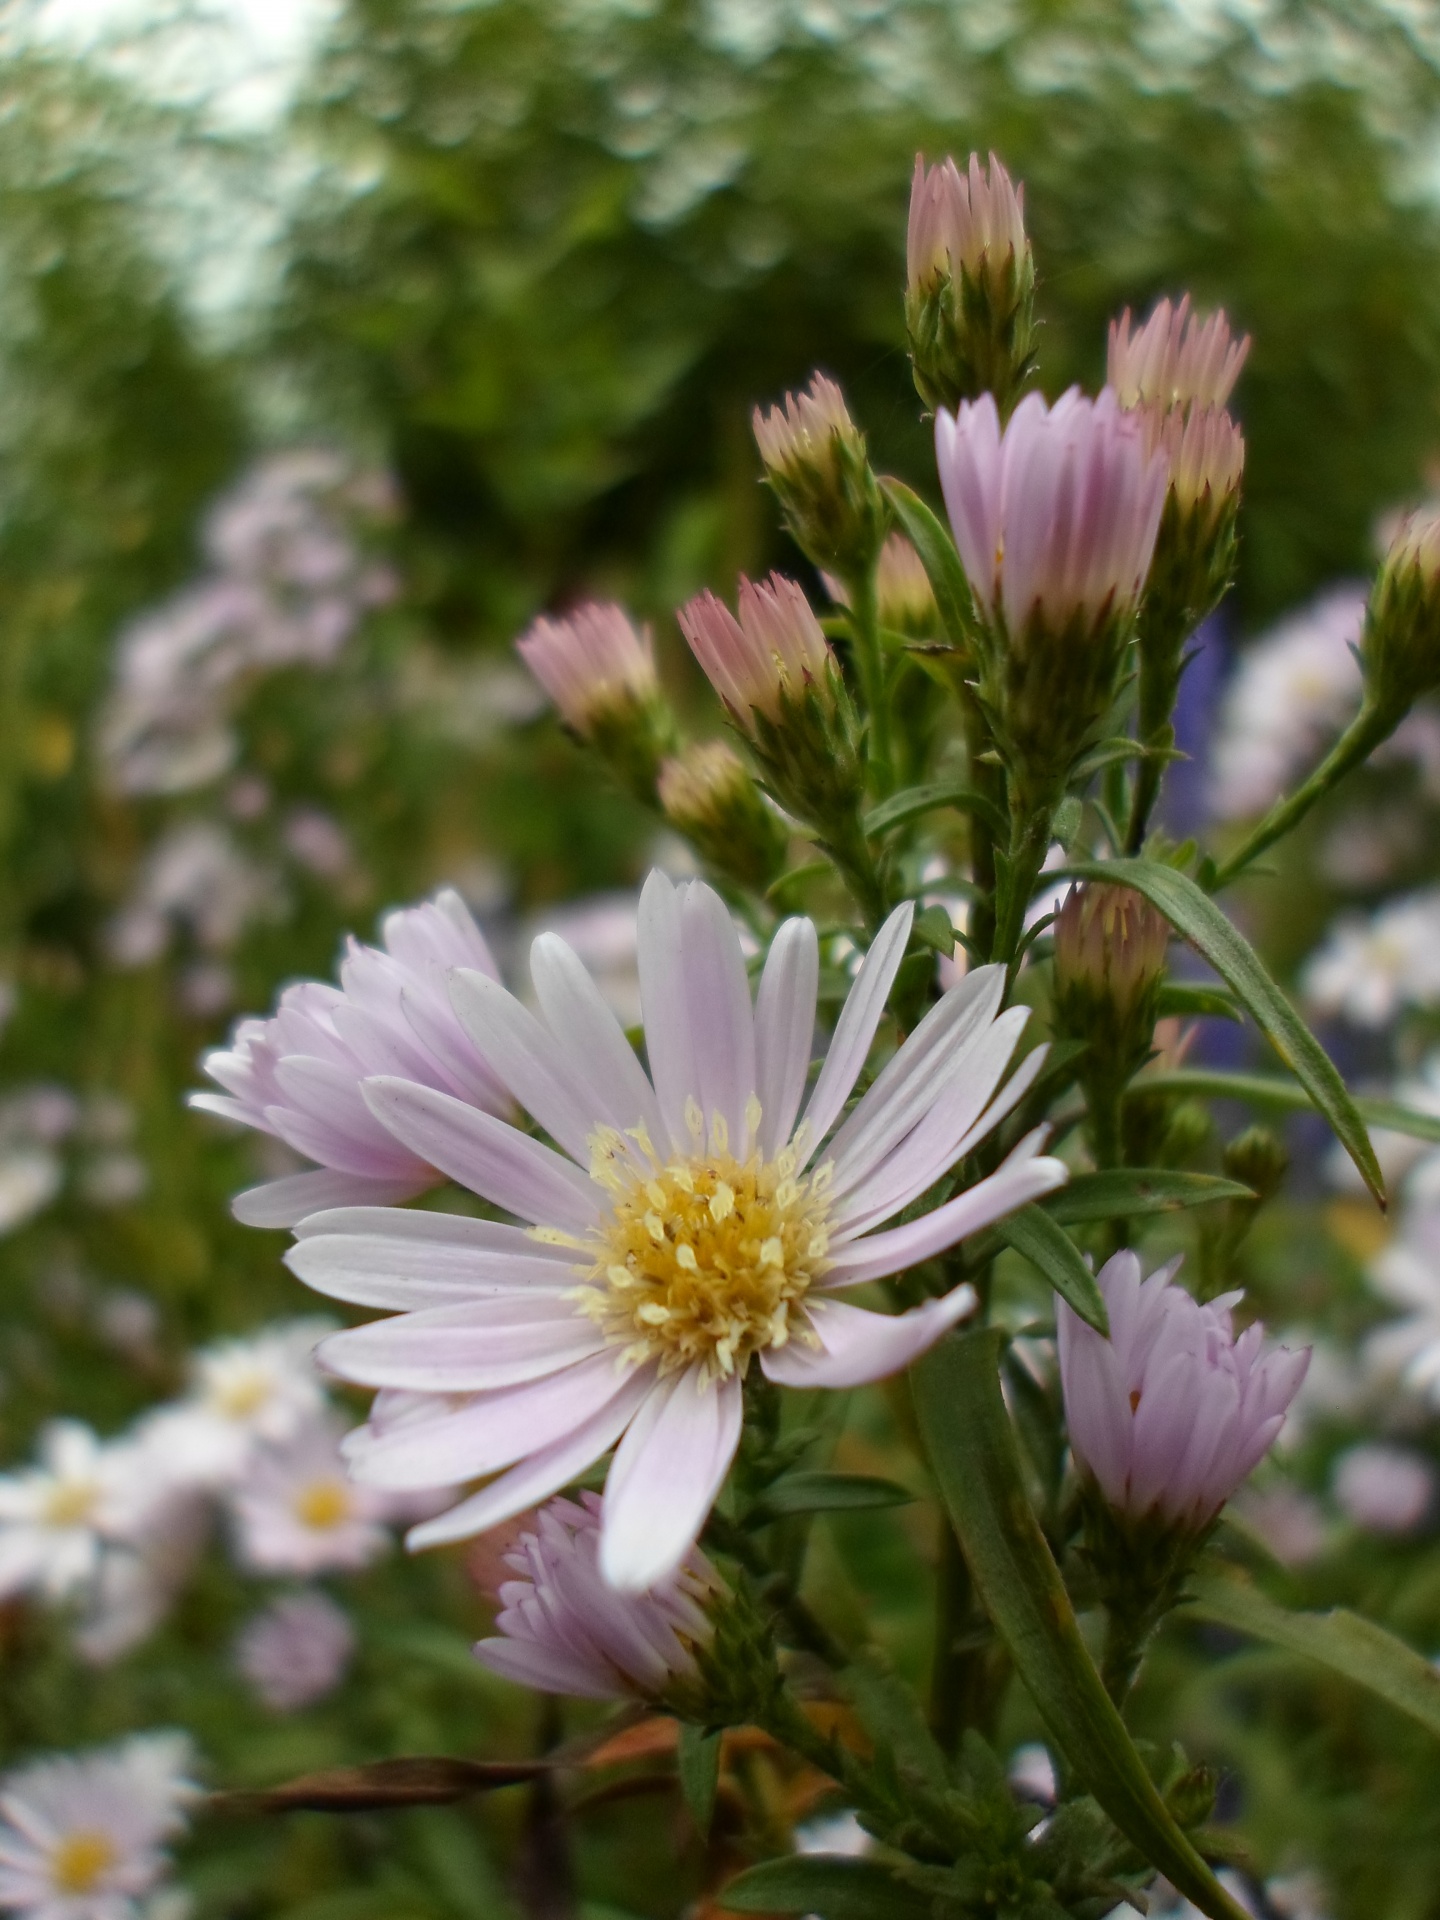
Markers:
<point>704,1259</point>
<point>81,1860</point>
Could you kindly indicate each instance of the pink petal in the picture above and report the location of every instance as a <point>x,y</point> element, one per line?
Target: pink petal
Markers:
<point>487,1343</point>
<point>591,1036</point>
<point>284,1202</point>
<point>403,1273</point>
<point>855,1029</point>
<point>785,1029</point>
<point>663,1000</point>
<point>857,1347</point>
<point>722,1026</point>
<point>528,1059</point>
<point>665,1476</point>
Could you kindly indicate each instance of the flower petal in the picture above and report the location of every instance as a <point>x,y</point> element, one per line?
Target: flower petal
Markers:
<point>527,1058</point>
<point>661,964</point>
<point>488,1343</point>
<point>855,1029</point>
<point>404,1272</point>
<point>665,1476</point>
<point>722,1025</point>
<point>856,1346</point>
<point>284,1202</point>
<point>591,1036</point>
<point>785,1029</point>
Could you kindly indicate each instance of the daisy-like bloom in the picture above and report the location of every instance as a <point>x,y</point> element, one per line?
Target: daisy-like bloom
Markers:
<point>298,1074</point>
<point>803,429</point>
<point>82,1836</point>
<point>56,1518</point>
<point>690,1222</point>
<point>773,653</point>
<point>1176,359</point>
<point>961,221</point>
<point>297,1511</point>
<point>1406,1272</point>
<point>1384,1489</point>
<point>244,1394</point>
<point>1173,1411</point>
<point>564,1629</point>
<point>296,1651</point>
<point>1057,517</point>
<point>1372,967</point>
<point>593,663</point>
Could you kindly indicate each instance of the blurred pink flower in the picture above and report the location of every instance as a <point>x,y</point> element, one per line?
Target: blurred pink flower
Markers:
<point>296,1651</point>
<point>590,662</point>
<point>1176,359</point>
<point>296,1511</point>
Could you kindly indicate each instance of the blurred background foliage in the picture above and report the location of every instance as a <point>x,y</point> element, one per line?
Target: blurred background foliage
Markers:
<point>538,259</point>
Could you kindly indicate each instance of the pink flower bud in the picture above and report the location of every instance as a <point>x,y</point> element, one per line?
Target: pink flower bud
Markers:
<point>1175,359</point>
<point>800,431</point>
<point>1204,449</point>
<point>593,663</point>
<point>961,220</point>
<point>1173,1411</point>
<point>772,653</point>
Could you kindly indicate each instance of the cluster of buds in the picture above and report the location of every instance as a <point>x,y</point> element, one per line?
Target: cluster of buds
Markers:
<point>708,795</point>
<point>781,685</point>
<point>599,670</point>
<point>1400,648</point>
<point>1055,521</point>
<point>816,464</point>
<point>970,284</point>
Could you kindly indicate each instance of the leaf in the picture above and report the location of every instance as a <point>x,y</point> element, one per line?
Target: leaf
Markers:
<point>1046,1245</point>
<point>911,802</point>
<point>1122,1191</point>
<point>933,928</point>
<point>1182,998</point>
<point>832,1885</point>
<point>412,1782</point>
<point>698,1761</point>
<point>890,1714</point>
<point>1195,915</point>
<point>1267,1089</point>
<point>973,1451</point>
<point>941,562</point>
<point>833,1493</point>
<point>1357,1649</point>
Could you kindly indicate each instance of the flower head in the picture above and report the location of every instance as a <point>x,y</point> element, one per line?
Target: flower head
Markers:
<point>904,598</point>
<point>295,1651</point>
<point>815,461</point>
<point>564,1629</point>
<point>961,221</point>
<point>297,1511</point>
<point>57,1518</point>
<point>1176,359</point>
<point>682,1228</point>
<point>773,653</point>
<point>592,662</point>
<point>970,282</point>
<point>1371,968</point>
<point>707,792</point>
<point>244,1394</point>
<point>1400,652</point>
<point>81,1836</point>
<point>1384,1489</point>
<point>1205,452</point>
<point>1110,944</point>
<point>298,1074</point>
<point>1173,1411</point>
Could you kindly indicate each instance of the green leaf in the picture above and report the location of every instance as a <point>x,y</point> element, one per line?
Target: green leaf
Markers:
<point>1355,1648</point>
<point>1182,998</point>
<point>1122,1191</point>
<point>911,802</point>
<point>831,1885</point>
<point>933,928</point>
<point>1046,1245</point>
<point>973,1451</point>
<point>833,1493</point>
<point>931,540</point>
<point>890,1714</point>
<point>1195,915</point>
<point>698,1760</point>
<point>1268,1090</point>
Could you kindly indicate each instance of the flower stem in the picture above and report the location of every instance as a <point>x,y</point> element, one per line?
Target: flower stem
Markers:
<point>870,670</point>
<point>1031,822</point>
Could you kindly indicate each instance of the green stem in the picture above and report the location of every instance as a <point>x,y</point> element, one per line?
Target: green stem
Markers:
<point>1025,856</point>
<point>986,779</point>
<point>850,851</point>
<point>1366,731</point>
<point>870,669</point>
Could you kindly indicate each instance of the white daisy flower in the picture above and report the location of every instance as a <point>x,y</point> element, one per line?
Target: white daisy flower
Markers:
<point>690,1221</point>
<point>1371,969</point>
<point>299,1512</point>
<point>57,1518</point>
<point>81,1837</point>
<point>244,1393</point>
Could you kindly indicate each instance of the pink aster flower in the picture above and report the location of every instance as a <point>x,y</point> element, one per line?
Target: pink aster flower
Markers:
<point>684,1223</point>
<point>775,650</point>
<point>1176,359</point>
<point>299,1512</point>
<point>298,1074</point>
<point>296,1651</point>
<point>961,220</point>
<point>564,1629</point>
<point>1058,515</point>
<point>1173,1411</point>
<point>591,662</point>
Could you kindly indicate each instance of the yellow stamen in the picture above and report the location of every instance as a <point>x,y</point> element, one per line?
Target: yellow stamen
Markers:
<point>70,1503</point>
<point>323,1504</point>
<point>81,1859</point>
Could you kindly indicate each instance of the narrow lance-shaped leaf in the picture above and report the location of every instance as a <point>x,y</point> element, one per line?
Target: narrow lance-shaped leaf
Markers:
<point>1117,1193</point>
<point>1194,914</point>
<point>698,1760</point>
<point>834,1887</point>
<point>1046,1245</point>
<point>1339,1640</point>
<point>911,802</point>
<point>823,1492</point>
<point>931,540</point>
<point>1269,1090</point>
<point>973,1451</point>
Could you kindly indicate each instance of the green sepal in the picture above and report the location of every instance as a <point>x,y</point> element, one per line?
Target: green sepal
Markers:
<point>821,1492</point>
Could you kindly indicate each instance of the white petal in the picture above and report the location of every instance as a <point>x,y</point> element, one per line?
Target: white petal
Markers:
<point>858,1021</point>
<point>591,1036</point>
<point>487,1343</point>
<point>429,1229</point>
<point>857,1346</point>
<point>492,1159</point>
<point>661,962</point>
<point>527,1058</point>
<point>665,1476</point>
<point>785,1029</point>
<point>403,1273</point>
<point>284,1202</point>
<point>722,1026</point>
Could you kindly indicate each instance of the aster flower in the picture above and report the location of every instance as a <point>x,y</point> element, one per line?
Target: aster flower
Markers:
<point>82,1836</point>
<point>816,464</point>
<point>961,220</point>
<point>773,653</point>
<point>298,1074</point>
<point>56,1517</point>
<point>295,1651</point>
<point>1400,654</point>
<point>687,1225</point>
<point>904,598</point>
<point>591,662</point>
<point>1173,1411</point>
<point>243,1394</point>
<point>1384,1489</point>
<point>707,793</point>
<point>1371,967</point>
<point>1176,359</point>
<point>564,1629</point>
<point>297,1511</point>
<point>970,282</point>
<point>1406,1272</point>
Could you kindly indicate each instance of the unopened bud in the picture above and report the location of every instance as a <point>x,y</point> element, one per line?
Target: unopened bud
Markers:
<point>970,284</point>
<point>1110,948</point>
<point>600,672</point>
<point>1258,1159</point>
<point>1176,359</point>
<point>708,795</point>
<point>904,598</point>
<point>815,461</point>
<point>1400,647</point>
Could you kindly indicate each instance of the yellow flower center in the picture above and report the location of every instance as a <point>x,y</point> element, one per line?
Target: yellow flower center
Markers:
<point>323,1504</point>
<point>70,1503</point>
<point>704,1258</point>
<point>80,1860</point>
<point>242,1395</point>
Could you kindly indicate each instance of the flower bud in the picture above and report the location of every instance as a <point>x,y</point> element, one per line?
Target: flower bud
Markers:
<point>904,598</point>
<point>970,284</point>
<point>1175,360</point>
<point>1110,947</point>
<point>708,795</point>
<point>600,673</point>
<point>815,461</point>
<point>1400,647</point>
<point>1258,1159</point>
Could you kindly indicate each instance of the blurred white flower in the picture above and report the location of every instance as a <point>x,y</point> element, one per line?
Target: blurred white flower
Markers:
<point>316,841</point>
<point>56,1517</point>
<point>296,1651</point>
<point>1298,1896</point>
<point>1288,1522</point>
<point>1032,1774</point>
<point>244,1393</point>
<point>82,1836</point>
<point>297,1511</point>
<point>1371,968</point>
<point>136,1585</point>
<point>1406,1272</point>
<point>30,1178</point>
<point>197,879</point>
<point>1384,1489</point>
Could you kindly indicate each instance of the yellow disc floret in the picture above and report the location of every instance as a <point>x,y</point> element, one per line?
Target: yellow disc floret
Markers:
<point>81,1860</point>
<point>703,1258</point>
<point>323,1504</point>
